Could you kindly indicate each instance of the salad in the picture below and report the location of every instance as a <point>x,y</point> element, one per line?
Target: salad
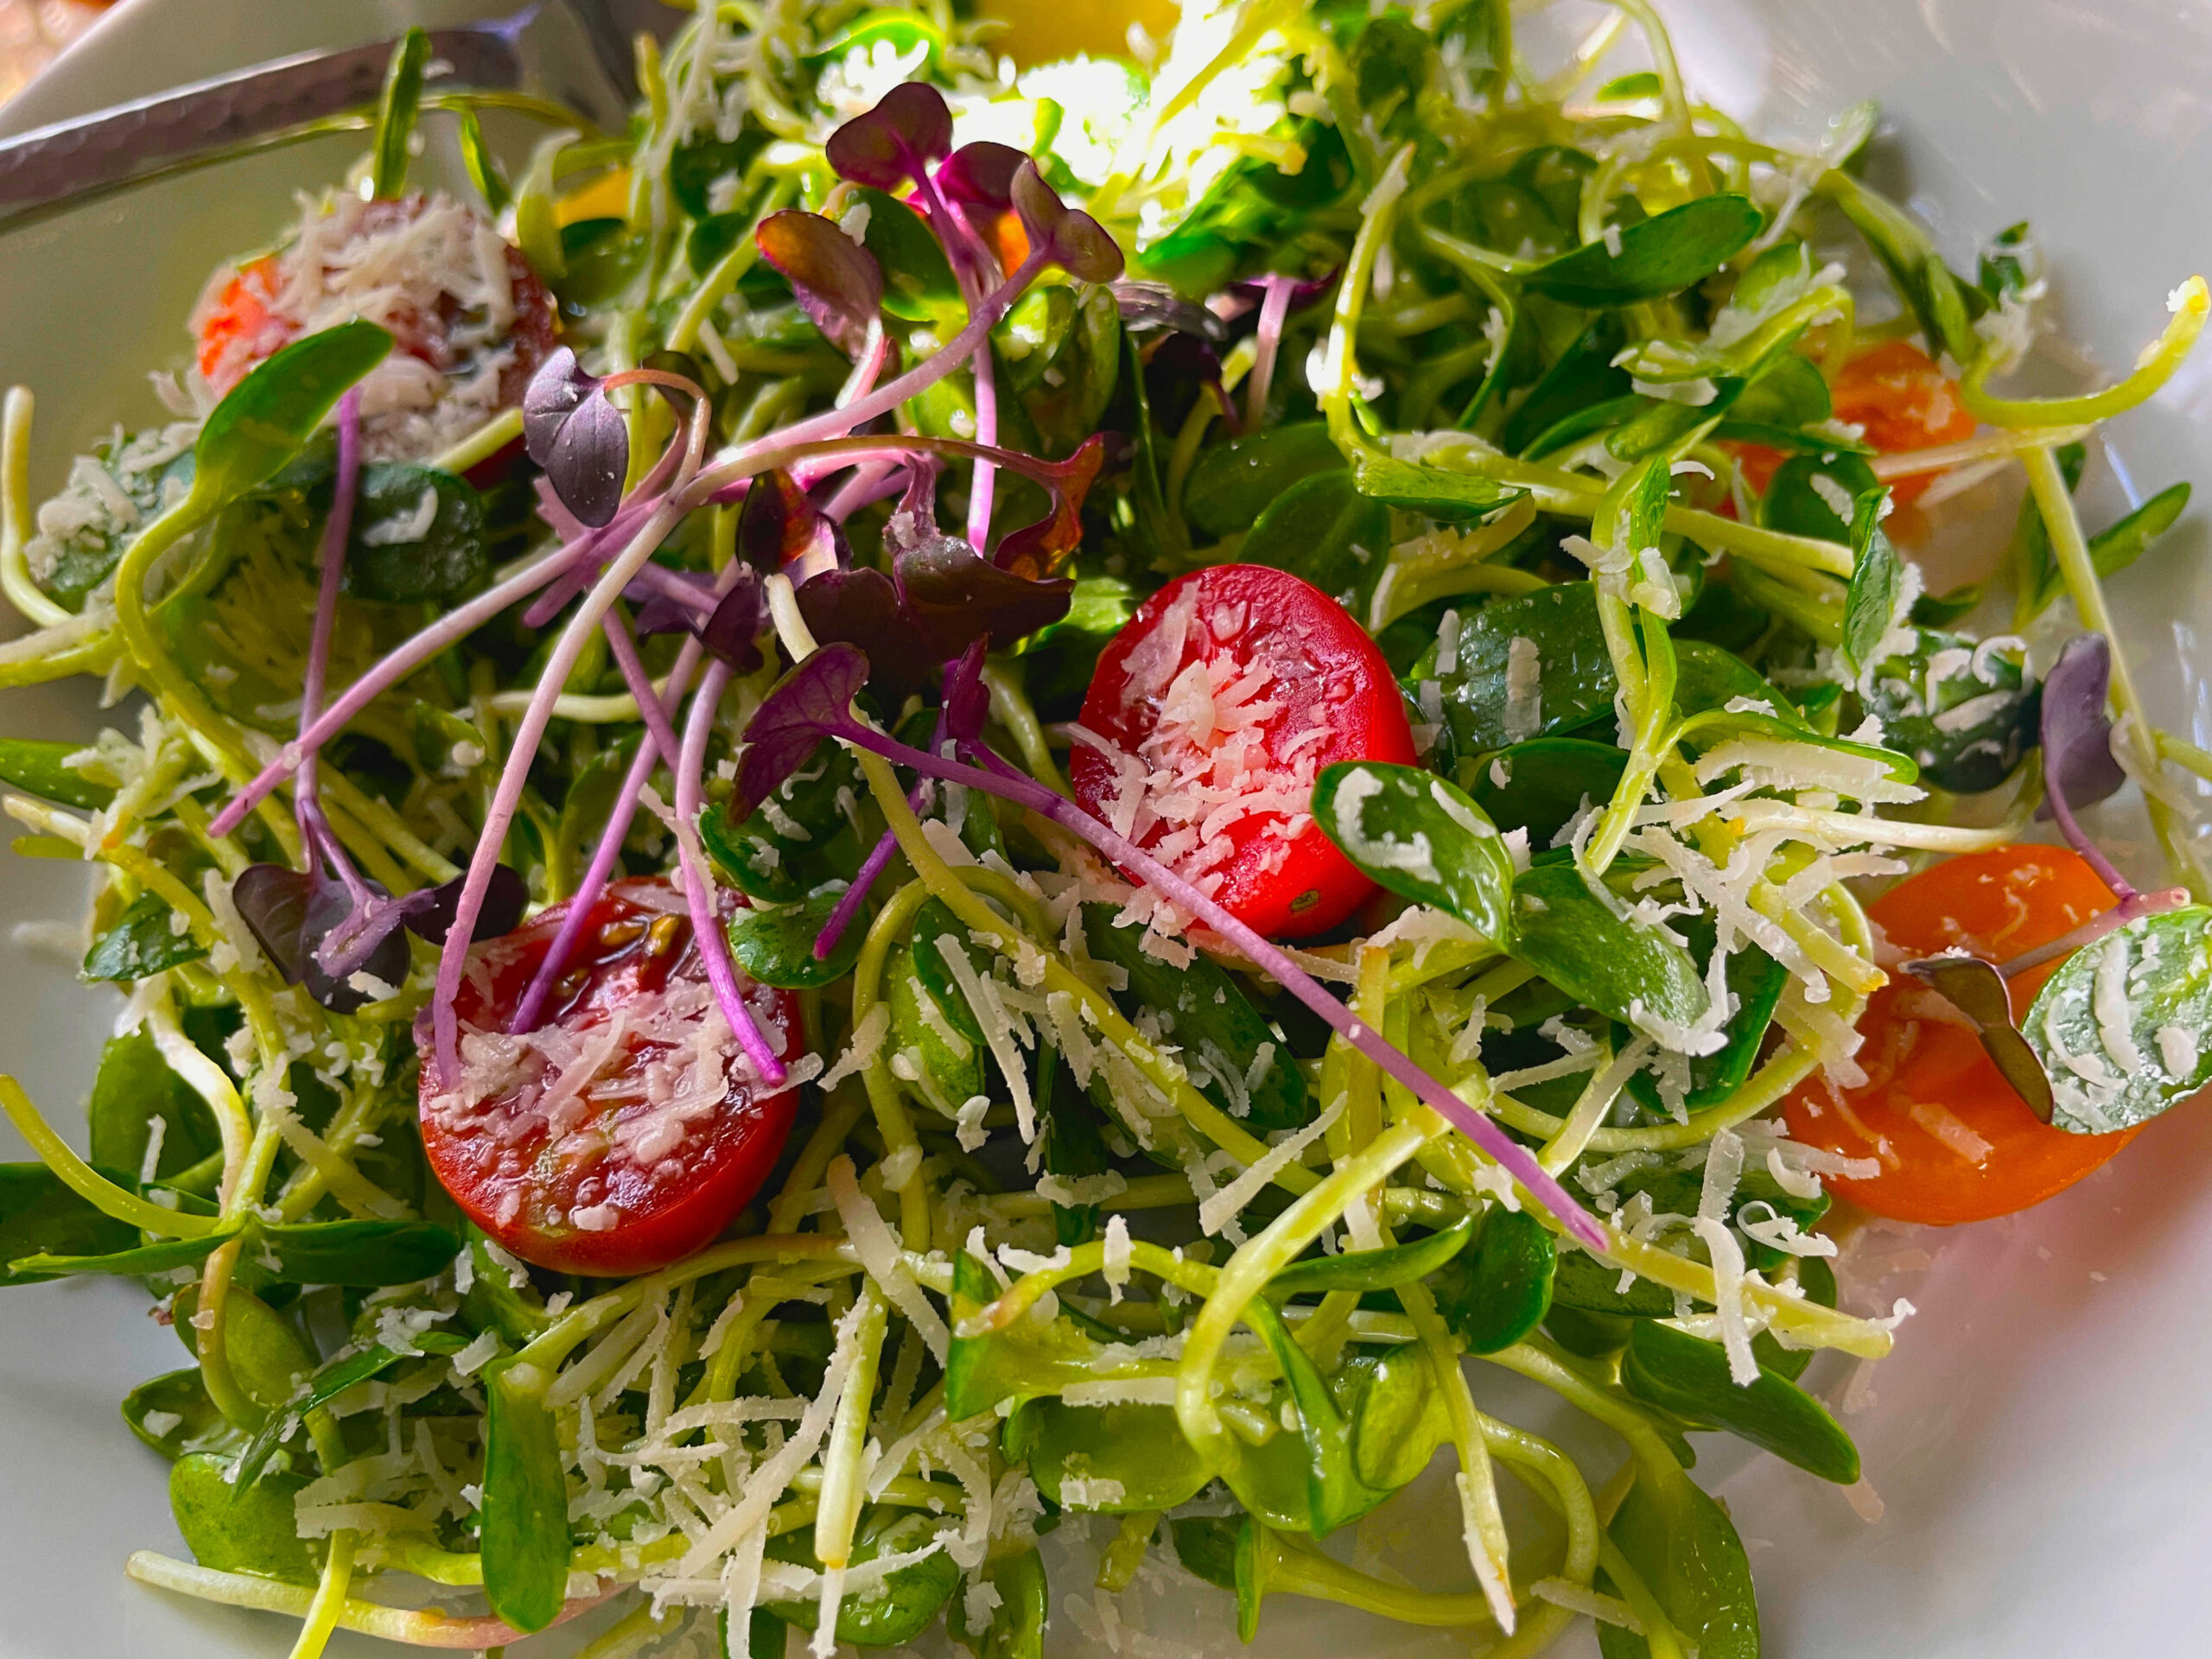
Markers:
<point>931,824</point>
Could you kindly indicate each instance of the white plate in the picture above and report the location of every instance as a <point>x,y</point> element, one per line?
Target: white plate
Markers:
<point>2038,1437</point>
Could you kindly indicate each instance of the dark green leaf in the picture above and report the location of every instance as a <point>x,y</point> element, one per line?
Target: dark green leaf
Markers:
<point>35,766</point>
<point>2161,967</point>
<point>1923,281</point>
<point>133,1087</point>
<point>495,1302</point>
<point>39,1216</point>
<point>172,1414</point>
<point>1584,377</point>
<point>1810,494</point>
<point>1497,1293</point>
<point>1545,784</point>
<point>1657,256</point>
<point>1438,492</point>
<point>525,1503</point>
<point>1325,531</point>
<point>241,1529</point>
<point>1377,1269</point>
<point>2111,550</point>
<point>1756,981</point>
<point>1206,1545</point>
<point>777,946</point>
<point>1707,679</point>
<point>1575,682</point>
<point>1231,484</point>
<point>931,1021</point>
<point>1961,758</point>
<point>694,168</point>
<point>1941,610</point>
<point>1573,937</point>
<point>829,802</point>
<point>403,98</point>
<point>145,939</point>
<point>141,1261</point>
<point>392,554</point>
<point>1335,1490</point>
<point>355,1252</point>
<point>1689,1376</point>
<point>1204,1011</point>
<point>1422,837</point>
<point>917,279</point>
<point>1024,1358</point>
<point>264,421</point>
<point>1877,578</point>
<point>326,1385</point>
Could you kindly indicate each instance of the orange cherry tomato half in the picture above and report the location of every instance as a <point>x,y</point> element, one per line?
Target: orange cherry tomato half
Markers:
<point>628,1130</point>
<point>1904,403</point>
<point>1955,1141</point>
<point>1213,711</point>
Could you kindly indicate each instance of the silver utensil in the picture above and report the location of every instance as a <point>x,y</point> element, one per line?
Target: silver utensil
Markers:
<point>576,51</point>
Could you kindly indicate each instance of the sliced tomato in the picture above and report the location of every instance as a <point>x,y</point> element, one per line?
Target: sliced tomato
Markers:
<point>1209,716</point>
<point>243,321</point>
<point>628,1130</point>
<point>1955,1140</point>
<point>1905,402</point>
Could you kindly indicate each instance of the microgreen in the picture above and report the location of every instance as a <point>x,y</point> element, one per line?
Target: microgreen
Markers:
<point>837,284</point>
<point>574,431</point>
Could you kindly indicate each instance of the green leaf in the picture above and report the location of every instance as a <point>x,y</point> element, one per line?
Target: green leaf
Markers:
<point>133,1087</point>
<point>1498,1293</point>
<point>389,558</point>
<point>1659,256</point>
<point>1808,494</point>
<point>1233,484</point>
<point>1139,1449</point>
<point>766,858</point>
<point>1963,759</point>
<point>2113,548</point>
<point>2159,970</point>
<point>1572,936</point>
<point>525,1503</point>
<point>1397,1414</point>
<point>1060,356</point>
<point>931,1021</point>
<point>1326,531</point>
<point>918,282</point>
<point>1380,1268</point>
<point>1335,1492</point>
<point>1420,836</point>
<point>1545,784</point>
<point>893,1611</point>
<point>776,947</point>
<point>241,1529</point>
<point>1707,679</point>
<point>268,1355</point>
<point>1438,492</point>
<point>1575,682</point>
<point>37,766</point>
<point>265,419</point>
<point>1757,980</point>
<point>1583,377</point>
<point>327,1384</point>
<point>1689,1377</point>
<point>145,940</point>
<point>360,1252</point>
<point>172,1414</point>
<point>1685,1548</point>
<point>1877,578</point>
<point>1207,1546</point>
<point>1923,281</point>
<point>402,98</point>
<point>40,1215</point>
<point>1024,1358</point>
<point>1204,1011</point>
<point>484,169</point>
<point>694,168</point>
<point>141,1261</point>
<point>495,1302</point>
<point>1016,1630</point>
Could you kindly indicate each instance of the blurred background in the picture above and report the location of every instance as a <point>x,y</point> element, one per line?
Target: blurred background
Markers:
<point>33,32</point>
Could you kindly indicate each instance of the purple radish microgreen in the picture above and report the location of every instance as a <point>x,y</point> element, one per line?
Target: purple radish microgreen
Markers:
<point>1977,989</point>
<point>910,127</point>
<point>1071,239</point>
<point>572,430</point>
<point>836,282</point>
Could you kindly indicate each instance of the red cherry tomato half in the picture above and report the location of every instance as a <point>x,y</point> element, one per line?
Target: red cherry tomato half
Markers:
<point>1955,1141</point>
<point>243,321</point>
<point>626,1131</point>
<point>1214,710</point>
